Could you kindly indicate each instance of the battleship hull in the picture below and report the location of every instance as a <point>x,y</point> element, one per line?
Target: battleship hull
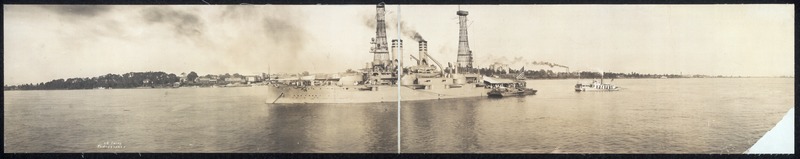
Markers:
<point>376,94</point>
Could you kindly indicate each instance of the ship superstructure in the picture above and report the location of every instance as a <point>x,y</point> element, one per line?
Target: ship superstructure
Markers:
<point>378,81</point>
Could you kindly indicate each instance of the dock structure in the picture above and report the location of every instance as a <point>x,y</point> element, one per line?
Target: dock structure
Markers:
<point>778,140</point>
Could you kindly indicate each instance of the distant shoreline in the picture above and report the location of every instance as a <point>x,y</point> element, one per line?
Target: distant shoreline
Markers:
<point>652,78</point>
<point>223,86</point>
<point>120,88</point>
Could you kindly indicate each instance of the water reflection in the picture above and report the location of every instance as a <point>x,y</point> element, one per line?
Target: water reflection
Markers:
<point>690,116</point>
<point>332,128</point>
<point>289,128</point>
<point>382,127</point>
<point>453,129</point>
<point>650,116</point>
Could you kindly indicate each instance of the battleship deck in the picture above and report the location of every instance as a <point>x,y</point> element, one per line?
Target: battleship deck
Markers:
<point>355,94</point>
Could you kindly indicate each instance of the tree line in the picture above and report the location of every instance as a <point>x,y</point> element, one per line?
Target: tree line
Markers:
<point>549,74</point>
<point>162,79</point>
<point>127,80</point>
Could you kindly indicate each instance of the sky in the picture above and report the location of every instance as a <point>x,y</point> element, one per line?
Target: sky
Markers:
<point>46,42</point>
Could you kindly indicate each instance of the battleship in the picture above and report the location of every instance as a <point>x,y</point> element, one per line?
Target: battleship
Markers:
<point>382,81</point>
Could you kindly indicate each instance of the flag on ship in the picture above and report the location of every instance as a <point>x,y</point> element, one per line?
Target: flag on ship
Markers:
<point>521,73</point>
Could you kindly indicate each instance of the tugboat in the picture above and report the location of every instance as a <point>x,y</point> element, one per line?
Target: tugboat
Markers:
<point>507,88</point>
<point>596,86</point>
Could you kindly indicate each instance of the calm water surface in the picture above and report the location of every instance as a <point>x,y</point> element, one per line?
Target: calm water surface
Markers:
<point>190,120</point>
<point>648,116</point>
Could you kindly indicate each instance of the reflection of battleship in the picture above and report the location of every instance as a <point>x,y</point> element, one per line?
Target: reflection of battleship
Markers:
<point>378,82</point>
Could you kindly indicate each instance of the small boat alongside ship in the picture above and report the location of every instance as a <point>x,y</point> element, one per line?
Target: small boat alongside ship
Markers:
<point>507,88</point>
<point>508,92</point>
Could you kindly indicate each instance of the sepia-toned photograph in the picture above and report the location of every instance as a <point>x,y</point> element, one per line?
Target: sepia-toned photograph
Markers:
<point>397,78</point>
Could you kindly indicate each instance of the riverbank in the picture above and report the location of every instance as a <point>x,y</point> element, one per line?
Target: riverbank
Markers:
<point>212,86</point>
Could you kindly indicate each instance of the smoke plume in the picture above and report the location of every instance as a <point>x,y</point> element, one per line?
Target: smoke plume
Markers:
<point>547,64</point>
<point>285,34</point>
<point>406,30</point>
<point>79,10</point>
<point>104,26</point>
<point>516,61</point>
<point>182,23</point>
<point>418,37</point>
<point>369,20</point>
<point>275,35</point>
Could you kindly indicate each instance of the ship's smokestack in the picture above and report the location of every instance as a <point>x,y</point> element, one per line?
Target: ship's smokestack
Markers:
<point>394,47</point>
<point>423,51</point>
<point>397,46</point>
<point>464,59</point>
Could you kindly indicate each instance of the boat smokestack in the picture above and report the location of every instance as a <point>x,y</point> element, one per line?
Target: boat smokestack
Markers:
<point>602,76</point>
<point>423,51</point>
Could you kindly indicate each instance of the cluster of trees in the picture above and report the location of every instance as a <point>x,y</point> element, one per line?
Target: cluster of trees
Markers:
<point>549,74</point>
<point>540,74</point>
<point>161,79</point>
<point>191,76</point>
<point>638,75</point>
<point>222,76</point>
<point>127,80</point>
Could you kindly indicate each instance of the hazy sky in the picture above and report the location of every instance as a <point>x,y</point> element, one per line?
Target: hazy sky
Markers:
<point>50,42</point>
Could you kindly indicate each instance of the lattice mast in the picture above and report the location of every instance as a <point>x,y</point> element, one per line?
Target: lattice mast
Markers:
<point>464,59</point>
<point>380,45</point>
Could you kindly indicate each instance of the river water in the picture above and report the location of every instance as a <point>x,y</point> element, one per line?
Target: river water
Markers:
<point>647,116</point>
